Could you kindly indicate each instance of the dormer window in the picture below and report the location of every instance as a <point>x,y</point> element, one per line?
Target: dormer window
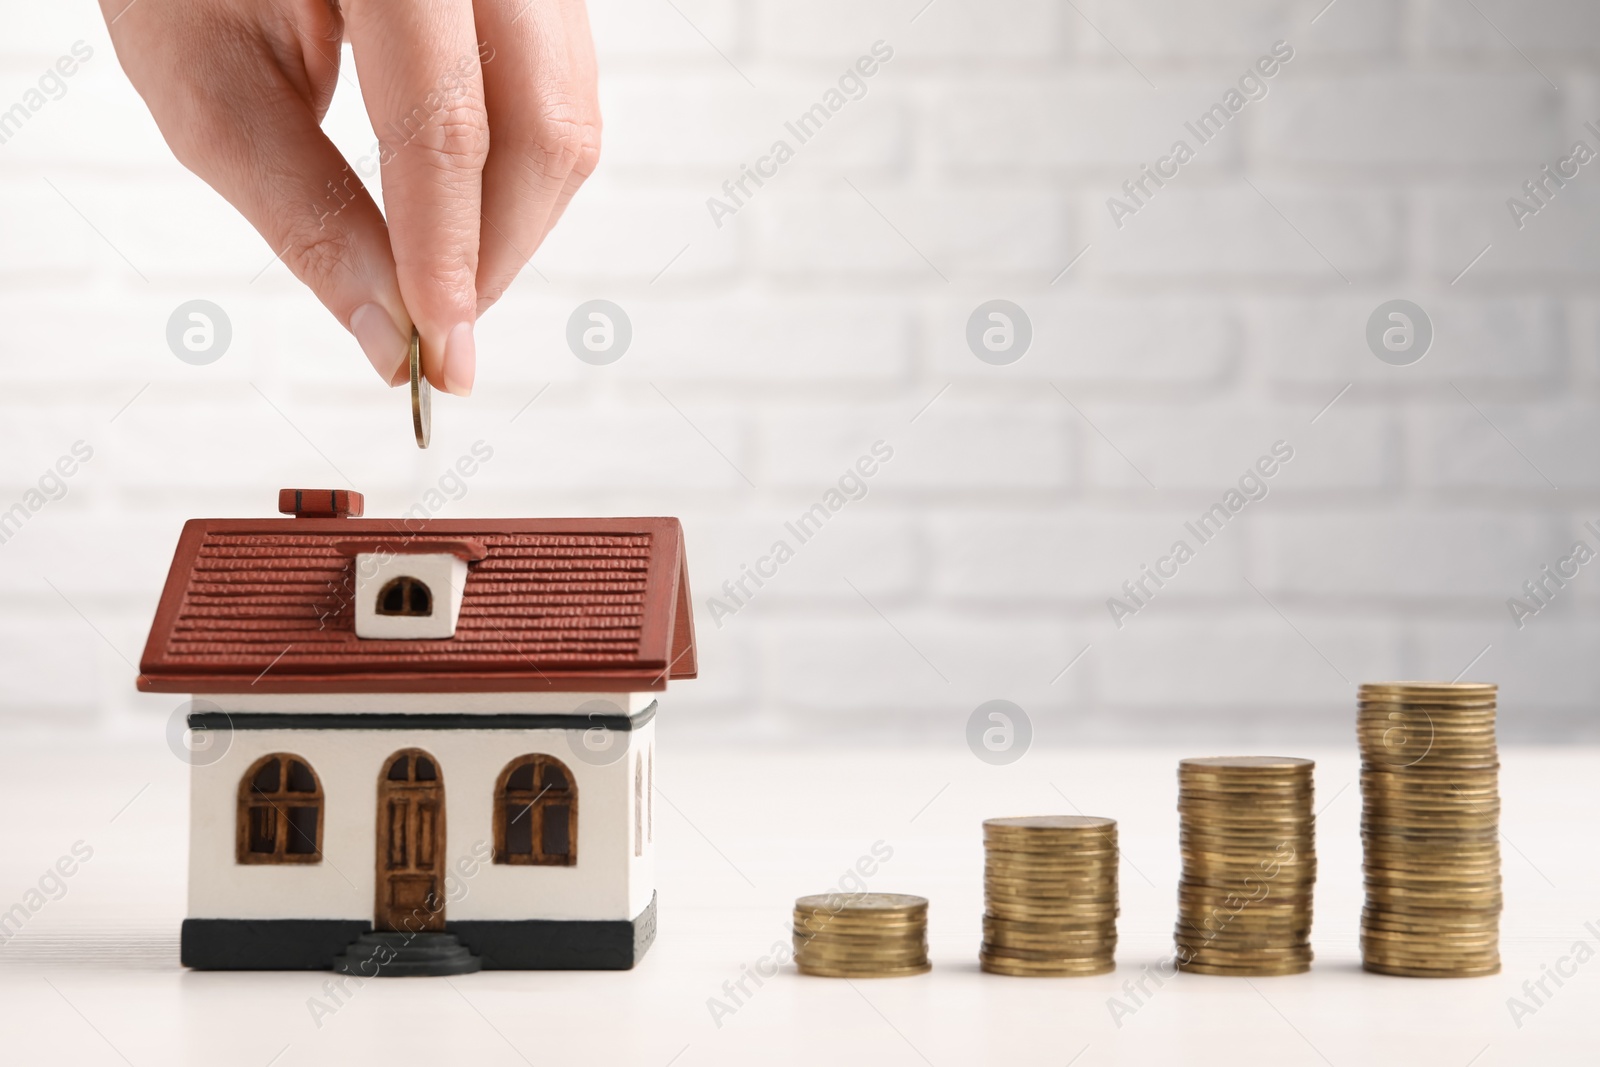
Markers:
<point>409,591</point>
<point>405,596</point>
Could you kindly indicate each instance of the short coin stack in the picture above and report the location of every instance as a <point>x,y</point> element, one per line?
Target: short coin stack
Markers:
<point>1050,896</point>
<point>1249,865</point>
<point>1430,824</point>
<point>861,935</point>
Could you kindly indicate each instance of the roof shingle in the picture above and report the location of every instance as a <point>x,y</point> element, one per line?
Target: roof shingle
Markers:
<point>552,604</point>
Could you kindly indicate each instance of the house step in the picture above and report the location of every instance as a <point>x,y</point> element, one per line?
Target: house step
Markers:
<point>397,954</point>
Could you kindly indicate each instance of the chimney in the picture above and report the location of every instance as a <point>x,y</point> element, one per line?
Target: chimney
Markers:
<point>320,503</point>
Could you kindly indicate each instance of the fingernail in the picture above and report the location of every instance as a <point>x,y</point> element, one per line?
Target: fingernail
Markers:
<point>378,337</point>
<point>460,360</point>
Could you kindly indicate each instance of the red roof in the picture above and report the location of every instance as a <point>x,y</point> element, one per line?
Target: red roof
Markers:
<point>265,606</point>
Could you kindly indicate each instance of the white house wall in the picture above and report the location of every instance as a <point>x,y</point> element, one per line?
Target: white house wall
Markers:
<point>607,882</point>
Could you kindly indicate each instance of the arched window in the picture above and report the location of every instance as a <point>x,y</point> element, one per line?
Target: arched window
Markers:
<point>280,812</point>
<point>638,805</point>
<point>405,596</point>
<point>536,813</point>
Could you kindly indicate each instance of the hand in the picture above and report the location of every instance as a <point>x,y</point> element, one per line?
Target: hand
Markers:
<point>487,119</point>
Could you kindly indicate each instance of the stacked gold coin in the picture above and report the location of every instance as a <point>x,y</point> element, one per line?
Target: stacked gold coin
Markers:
<point>1050,895</point>
<point>861,935</point>
<point>1249,865</point>
<point>1430,824</point>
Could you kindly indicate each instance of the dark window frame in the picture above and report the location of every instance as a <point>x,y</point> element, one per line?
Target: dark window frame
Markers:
<point>409,587</point>
<point>273,806</point>
<point>533,803</point>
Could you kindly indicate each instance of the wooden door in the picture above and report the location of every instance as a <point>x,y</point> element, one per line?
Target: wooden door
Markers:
<point>410,843</point>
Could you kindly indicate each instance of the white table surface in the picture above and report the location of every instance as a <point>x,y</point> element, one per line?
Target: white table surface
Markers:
<point>94,976</point>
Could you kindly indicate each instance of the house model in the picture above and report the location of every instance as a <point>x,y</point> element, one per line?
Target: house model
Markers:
<point>422,746</point>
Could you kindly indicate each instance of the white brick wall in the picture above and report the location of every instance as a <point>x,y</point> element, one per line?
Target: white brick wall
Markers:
<point>1217,320</point>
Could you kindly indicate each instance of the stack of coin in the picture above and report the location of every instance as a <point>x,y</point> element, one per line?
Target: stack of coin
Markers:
<point>1050,895</point>
<point>1430,824</point>
<point>1249,865</point>
<point>861,935</point>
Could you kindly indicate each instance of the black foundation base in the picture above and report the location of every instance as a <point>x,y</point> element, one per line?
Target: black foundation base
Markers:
<point>266,944</point>
<point>504,945</point>
<point>559,944</point>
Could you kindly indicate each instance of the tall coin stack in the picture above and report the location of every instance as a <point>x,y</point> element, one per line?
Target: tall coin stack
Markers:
<point>1050,895</point>
<point>1249,865</point>
<point>861,935</point>
<point>1430,824</point>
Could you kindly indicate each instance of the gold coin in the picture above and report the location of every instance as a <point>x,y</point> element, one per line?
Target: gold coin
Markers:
<point>1401,712</point>
<point>1430,925</point>
<point>1248,764</point>
<point>1054,949</point>
<point>862,903</point>
<point>1230,940</point>
<point>1085,889</point>
<point>1100,850</point>
<point>858,921</point>
<point>1227,781</point>
<point>1421,961</point>
<point>1101,867</point>
<point>863,972</point>
<point>1434,880</point>
<point>1237,955</point>
<point>1089,853</point>
<point>1246,861</point>
<point>1047,926</point>
<point>1244,812</point>
<point>1023,912</point>
<point>863,947</point>
<point>861,959</point>
<point>1042,955</point>
<point>1088,885</point>
<point>1065,946</point>
<point>1416,972</point>
<point>1410,688</point>
<point>1031,823</point>
<point>421,394</point>
<point>864,939</point>
<point>1253,971</point>
<point>1397,839</point>
<point>1266,863</point>
<point>1423,776</point>
<point>858,935</point>
<point>1283,929</point>
<point>1012,935</point>
<point>1429,956</point>
<point>1041,969</point>
<point>1462,945</point>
